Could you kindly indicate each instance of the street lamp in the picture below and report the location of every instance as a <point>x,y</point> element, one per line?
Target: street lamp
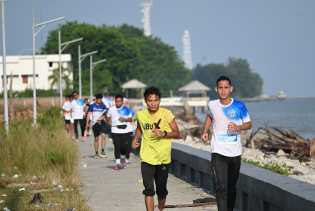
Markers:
<point>92,65</point>
<point>80,60</point>
<point>4,75</point>
<point>36,28</point>
<point>61,48</point>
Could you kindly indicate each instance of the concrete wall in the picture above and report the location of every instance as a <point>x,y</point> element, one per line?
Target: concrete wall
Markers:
<point>258,189</point>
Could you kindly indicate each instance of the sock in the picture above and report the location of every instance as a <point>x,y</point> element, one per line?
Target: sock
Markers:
<point>117,161</point>
<point>103,150</point>
<point>96,152</point>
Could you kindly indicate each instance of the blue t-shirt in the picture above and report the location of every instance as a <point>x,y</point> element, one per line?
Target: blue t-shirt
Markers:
<point>97,110</point>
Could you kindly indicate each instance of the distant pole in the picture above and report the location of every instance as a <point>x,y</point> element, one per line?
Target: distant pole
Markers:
<point>92,65</point>
<point>62,46</point>
<point>91,77</point>
<point>80,80</point>
<point>81,59</point>
<point>34,76</point>
<point>36,28</point>
<point>4,66</point>
<point>60,74</point>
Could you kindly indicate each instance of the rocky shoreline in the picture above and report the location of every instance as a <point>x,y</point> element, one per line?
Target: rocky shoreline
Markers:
<point>303,171</point>
<point>300,166</point>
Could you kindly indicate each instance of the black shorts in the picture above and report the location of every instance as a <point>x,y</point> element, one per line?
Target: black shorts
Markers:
<point>67,121</point>
<point>99,128</point>
<point>155,173</point>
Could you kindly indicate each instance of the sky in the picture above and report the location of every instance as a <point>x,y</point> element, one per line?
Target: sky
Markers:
<point>277,37</point>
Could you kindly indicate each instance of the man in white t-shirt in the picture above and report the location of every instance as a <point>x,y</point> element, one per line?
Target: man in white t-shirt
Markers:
<point>227,117</point>
<point>121,118</point>
<point>66,108</point>
<point>77,113</point>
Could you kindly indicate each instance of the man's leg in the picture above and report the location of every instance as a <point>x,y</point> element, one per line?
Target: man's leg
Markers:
<point>96,138</point>
<point>75,124</point>
<point>96,145</point>
<point>148,172</point>
<point>220,171</point>
<point>161,176</point>
<point>82,127</point>
<point>103,140</point>
<point>128,139</point>
<point>116,141</point>
<point>233,174</point>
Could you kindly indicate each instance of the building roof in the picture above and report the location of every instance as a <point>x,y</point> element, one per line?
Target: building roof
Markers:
<point>133,84</point>
<point>194,86</point>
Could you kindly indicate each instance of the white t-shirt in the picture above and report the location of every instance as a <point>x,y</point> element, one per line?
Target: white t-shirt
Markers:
<point>115,114</point>
<point>77,108</point>
<point>222,141</point>
<point>67,110</point>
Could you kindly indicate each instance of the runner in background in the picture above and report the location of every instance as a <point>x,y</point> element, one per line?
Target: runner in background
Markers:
<point>77,105</point>
<point>121,128</point>
<point>66,108</point>
<point>97,115</point>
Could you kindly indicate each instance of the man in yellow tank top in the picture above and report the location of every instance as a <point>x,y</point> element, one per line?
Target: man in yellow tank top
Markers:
<point>155,127</point>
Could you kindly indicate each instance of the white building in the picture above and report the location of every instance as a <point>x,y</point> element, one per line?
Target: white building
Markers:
<point>20,71</point>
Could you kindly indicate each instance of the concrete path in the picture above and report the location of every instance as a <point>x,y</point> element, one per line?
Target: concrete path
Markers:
<point>109,190</point>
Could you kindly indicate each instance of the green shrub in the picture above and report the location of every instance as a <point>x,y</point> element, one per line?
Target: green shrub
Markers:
<point>280,169</point>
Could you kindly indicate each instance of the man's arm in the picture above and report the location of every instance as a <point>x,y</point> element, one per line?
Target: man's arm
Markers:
<point>238,128</point>
<point>206,126</point>
<point>174,134</point>
<point>88,117</point>
<point>135,142</point>
<point>125,119</point>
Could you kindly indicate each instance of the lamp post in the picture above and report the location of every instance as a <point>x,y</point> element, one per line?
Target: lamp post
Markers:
<point>36,28</point>
<point>80,60</point>
<point>4,67</point>
<point>61,48</point>
<point>92,65</point>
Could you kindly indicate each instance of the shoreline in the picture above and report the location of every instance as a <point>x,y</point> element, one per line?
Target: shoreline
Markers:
<point>302,171</point>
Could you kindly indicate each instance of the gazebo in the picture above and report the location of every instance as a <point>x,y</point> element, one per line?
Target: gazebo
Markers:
<point>194,89</point>
<point>133,88</point>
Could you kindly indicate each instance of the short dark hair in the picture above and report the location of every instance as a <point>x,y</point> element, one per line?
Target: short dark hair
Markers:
<point>74,93</point>
<point>152,91</point>
<point>98,96</point>
<point>224,78</point>
<point>119,96</point>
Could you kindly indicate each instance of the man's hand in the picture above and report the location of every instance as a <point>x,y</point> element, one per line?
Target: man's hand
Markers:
<point>234,128</point>
<point>158,133</point>
<point>135,143</point>
<point>205,137</point>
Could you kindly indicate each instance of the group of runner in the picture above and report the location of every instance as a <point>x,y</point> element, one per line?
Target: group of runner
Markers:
<point>156,127</point>
<point>107,118</point>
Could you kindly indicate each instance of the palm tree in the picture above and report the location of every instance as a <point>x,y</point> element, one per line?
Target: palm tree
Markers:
<point>54,78</point>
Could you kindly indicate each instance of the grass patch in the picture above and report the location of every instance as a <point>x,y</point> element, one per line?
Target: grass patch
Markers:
<point>39,158</point>
<point>274,167</point>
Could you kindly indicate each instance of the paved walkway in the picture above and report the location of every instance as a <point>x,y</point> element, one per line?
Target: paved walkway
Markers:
<point>109,190</point>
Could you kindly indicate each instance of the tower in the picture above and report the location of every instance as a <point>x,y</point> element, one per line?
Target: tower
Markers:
<point>187,54</point>
<point>147,4</point>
